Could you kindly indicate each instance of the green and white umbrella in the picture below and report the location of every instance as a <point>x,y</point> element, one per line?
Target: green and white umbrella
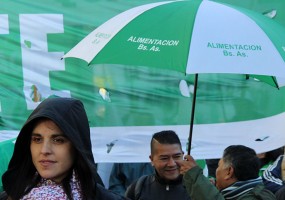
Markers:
<point>191,37</point>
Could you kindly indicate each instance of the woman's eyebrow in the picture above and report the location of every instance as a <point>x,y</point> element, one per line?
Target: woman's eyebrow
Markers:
<point>58,135</point>
<point>53,135</point>
<point>36,134</point>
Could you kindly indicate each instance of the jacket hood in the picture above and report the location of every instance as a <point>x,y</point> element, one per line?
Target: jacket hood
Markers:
<point>70,116</point>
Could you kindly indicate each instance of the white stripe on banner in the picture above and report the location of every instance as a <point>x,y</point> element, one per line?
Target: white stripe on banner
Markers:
<point>132,144</point>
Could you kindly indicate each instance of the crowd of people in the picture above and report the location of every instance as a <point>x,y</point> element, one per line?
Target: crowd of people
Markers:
<point>52,159</point>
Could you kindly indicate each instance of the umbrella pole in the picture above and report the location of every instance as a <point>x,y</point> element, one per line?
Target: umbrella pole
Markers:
<point>192,114</point>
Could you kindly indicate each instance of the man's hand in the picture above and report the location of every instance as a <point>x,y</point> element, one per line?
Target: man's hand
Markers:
<point>186,164</point>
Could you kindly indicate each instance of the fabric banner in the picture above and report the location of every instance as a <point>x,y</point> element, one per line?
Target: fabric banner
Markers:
<point>125,105</point>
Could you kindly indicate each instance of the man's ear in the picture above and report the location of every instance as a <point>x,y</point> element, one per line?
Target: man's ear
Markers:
<point>151,160</point>
<point>230,173</point>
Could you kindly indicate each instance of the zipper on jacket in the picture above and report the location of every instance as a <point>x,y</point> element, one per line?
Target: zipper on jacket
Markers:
<point>167,188</point>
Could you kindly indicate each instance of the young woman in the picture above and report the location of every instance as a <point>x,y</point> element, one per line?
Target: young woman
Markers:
<point>52,158</point>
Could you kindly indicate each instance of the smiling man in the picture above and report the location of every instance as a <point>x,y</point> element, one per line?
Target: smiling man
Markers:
<point>166,183</point>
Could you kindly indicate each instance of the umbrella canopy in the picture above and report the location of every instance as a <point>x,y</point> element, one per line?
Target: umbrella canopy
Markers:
<point>190,37</point>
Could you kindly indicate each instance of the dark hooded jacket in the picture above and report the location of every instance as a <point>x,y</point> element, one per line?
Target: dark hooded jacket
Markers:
<point>70,116</point>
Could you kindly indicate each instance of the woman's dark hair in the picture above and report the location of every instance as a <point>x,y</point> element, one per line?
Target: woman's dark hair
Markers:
<point>84,173</point>
<point>25,178</point>
<point>22,179</point>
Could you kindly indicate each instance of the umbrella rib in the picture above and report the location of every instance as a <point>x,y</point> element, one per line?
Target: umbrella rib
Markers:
<point>275,82</point>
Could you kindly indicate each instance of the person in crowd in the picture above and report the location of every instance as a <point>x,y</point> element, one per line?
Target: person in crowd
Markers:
<point>274,175</point>
<point>236,177</point>
<point>123,174</point>
<point>52,158</point>
<point>267,158</point>
<point>212,165</point>
<point>166,182</point>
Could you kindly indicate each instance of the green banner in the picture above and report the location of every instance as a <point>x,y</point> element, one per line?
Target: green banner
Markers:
<point>125,105</point>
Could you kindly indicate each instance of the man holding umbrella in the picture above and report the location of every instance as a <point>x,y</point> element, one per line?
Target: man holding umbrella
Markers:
<point>237,177</point>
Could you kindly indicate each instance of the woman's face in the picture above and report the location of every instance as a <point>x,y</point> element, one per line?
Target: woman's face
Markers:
<point>52,153</point>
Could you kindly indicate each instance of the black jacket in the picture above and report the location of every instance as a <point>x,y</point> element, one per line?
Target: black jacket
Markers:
<point>70,116</point>
<point>152,187</point>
